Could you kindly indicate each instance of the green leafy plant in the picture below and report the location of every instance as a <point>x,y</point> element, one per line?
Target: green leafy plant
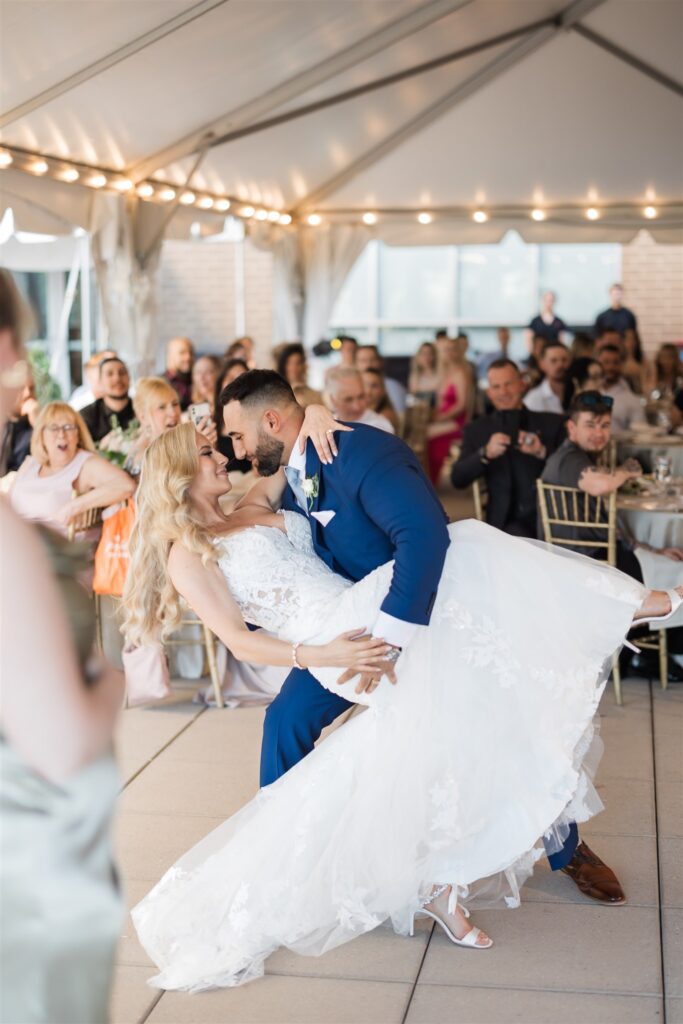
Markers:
<point>47,388</point>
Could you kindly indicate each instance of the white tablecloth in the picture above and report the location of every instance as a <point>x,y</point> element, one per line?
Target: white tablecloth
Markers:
<point>658,529</point>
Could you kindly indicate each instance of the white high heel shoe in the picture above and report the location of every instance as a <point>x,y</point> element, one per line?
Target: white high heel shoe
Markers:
<point>676,602</point>
<point>469,940</point>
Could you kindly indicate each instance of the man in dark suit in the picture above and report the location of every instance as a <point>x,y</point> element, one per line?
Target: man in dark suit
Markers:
<point>508,450</point>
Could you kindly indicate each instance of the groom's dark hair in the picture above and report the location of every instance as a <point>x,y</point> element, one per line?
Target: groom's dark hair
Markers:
<point>258,387</point>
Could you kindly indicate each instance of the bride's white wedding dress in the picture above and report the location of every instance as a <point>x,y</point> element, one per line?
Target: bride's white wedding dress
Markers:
<point>453,775</point>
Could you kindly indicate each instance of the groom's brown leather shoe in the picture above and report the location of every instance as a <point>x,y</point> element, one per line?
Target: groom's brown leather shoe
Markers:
<point>593,878</point>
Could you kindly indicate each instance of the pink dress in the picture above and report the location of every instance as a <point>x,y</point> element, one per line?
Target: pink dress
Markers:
<point>439,447</point>
<point>40,498</point>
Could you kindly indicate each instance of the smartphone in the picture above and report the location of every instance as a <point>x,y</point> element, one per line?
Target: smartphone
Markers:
<point>198,412</point>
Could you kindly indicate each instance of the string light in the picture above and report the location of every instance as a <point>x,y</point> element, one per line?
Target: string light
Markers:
<point>538,214</point>
<point>273,216</point>
<point>122,184</point>
<point>424,218</point>
<point>222,205</point>
<point>592,213</point>
<point>650,212</point>
<point>5,158</point>
<point>69,174</point>
<point>187,198</point>
<point>285,218</point>
<point>167,194</point>
<point>480,216</point>
<point>369,218</point>
<point>39,167</point>
<point>145,191</point>
<point>247,211</point>
<point>261,215</point>
<point>314,219</point>
<point>97,181</point>
<point>205,203</point>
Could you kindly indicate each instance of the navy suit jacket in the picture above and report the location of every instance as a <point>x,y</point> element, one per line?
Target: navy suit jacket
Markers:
<point>385,508</point>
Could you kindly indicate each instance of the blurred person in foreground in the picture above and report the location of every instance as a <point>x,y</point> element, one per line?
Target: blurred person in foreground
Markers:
<point>63,460</point>
<point>115,407</point>
<point>292,366</point>
<point>346,398</point>
<point>91,389</point>
<point>378,399</point>
<point>368,358</point>
<point>628,410</point>
<point>178,372</point>
<point>548,396</point>
<point>18,431</point>
<point>508,450</point>
<point>61,907</point>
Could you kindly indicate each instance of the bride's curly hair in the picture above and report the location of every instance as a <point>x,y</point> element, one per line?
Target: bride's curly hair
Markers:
<point>164,515</point>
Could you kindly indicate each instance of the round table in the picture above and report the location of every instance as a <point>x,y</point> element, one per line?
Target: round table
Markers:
<point>647,447</point>
<point>655,520</point>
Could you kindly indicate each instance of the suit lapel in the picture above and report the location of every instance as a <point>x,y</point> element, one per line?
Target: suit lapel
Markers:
<point>313,466</point>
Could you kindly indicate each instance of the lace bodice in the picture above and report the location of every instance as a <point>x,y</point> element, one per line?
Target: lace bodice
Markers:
<point>278,580</point>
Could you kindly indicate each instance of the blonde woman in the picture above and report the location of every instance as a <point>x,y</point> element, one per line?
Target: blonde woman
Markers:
<point>63,460</point>
<point>157,408</point>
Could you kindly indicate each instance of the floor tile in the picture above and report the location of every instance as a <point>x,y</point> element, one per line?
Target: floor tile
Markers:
<point>674,1011</point>
<point>129,950</point>
<point>552,946</point>
<point>670,809</point>
<point>627,758</point>
<point>432,1003</point>
<point>629,809</point>
<point>672,932</point>
<point>189,788</point>
<point>671,872</point>
<point>283,1000</point>
<point>148,844</point>
<point>132,998</point>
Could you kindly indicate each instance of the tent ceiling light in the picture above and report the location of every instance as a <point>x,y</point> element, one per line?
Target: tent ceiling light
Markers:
<point>122,184</point>
<point>261,215</point>
<point>205,203</point>
<point>480,216</point>
<point>70,174</point>
<point>5,158</point>
<point>167,194</point>
<point>424,218</point>
<point>273,216</point>
<point>187,198</point>
<point>650,212</point>
<point>369,218</point>
<point>247,211</point>
<point>285,218</point>
<point>97,181</point>
<point>145,191</point>
<point>39,167</point>
<point>314,219</point>
<point>222,205</point>
<point>538,214</point>
<point>592,213</point>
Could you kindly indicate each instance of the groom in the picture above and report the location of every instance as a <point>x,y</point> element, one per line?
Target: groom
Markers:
<point>372,504</point>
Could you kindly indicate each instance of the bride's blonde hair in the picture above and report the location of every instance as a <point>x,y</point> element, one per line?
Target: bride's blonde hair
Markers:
<point>164,515</point>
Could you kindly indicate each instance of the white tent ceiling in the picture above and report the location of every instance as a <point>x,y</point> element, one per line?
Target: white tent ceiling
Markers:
<point>547,119</point>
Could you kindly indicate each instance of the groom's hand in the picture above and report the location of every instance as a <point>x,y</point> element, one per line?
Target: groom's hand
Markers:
<point>369,681</point>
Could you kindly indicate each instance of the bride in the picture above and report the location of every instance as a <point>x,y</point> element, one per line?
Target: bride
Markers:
<point>436,796</point>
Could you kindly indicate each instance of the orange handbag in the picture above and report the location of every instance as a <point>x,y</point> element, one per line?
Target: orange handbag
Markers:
<point>111,557</point>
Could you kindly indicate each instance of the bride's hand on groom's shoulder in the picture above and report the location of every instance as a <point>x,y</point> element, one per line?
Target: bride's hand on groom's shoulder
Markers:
<point>320,427</point>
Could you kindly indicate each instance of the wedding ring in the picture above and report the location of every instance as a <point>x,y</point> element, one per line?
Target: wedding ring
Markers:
<point>329,431</point>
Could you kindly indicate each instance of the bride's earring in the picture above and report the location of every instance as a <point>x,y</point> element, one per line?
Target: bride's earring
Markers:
<point>16,376</point>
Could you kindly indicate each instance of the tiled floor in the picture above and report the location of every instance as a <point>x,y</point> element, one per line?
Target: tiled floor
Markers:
<point>560,957</point>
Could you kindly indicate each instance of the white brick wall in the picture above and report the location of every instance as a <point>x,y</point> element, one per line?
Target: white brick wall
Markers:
<point>652,276</point>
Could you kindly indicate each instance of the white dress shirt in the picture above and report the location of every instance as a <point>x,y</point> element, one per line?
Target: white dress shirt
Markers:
<point>628,410</point>
<point>374,419</point>
<point>543,399</point>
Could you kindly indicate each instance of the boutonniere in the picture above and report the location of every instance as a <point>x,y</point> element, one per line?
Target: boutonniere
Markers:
<point>311,486</point>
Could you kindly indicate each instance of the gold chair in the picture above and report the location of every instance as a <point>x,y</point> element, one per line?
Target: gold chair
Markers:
<point>569,506</point>
<point>480,496</point>
<point>414,432</point>
<point>87,520</point>
<point>208,642</point>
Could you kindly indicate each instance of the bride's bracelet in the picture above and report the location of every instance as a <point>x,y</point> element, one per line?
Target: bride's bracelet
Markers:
<point>295,660</point>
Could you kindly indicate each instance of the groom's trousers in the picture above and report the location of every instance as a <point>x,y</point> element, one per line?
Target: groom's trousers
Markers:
<point>294,721</point>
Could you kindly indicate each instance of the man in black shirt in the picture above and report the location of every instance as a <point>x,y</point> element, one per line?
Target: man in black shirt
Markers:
<point>617,317</point>
<point>508,449</point>
<point>115,406</point>
<point>546,323</point>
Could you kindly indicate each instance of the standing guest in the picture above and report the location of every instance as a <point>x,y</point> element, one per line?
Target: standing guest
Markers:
<point>616,317</point>
<point>549,394</point>
<point>368,358</point>
<point>115,406</point>
<point>291,364</point>
<point>450,414</point>
<point>508,450</point>
<point>347,399</point>
<point>547,323</point>
<point>349,347</point>
<point>628,410</point>
<point>230,371</point>
<point>378,399</point>
<point>582,346</point>
<point>90,390</point>
<point>62,909</point>
<point>423,381</point>
<point>179,362</point>
<point>485,361</point>
<point>63,460</point>
<point>16,437</point>
<point>584,374</point>
<point>204,375</point>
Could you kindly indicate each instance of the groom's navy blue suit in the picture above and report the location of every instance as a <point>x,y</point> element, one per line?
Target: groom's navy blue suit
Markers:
<point>384,508</point>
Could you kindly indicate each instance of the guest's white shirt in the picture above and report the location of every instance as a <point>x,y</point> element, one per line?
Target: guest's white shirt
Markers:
<point>543,399</point>
<point>373,419</point>
<point>628,410</point>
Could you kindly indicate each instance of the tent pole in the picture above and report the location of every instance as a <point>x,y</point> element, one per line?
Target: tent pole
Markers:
<point>629,58</point>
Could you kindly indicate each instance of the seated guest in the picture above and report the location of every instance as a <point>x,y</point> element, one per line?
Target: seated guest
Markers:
<point>668,373</point>
<point>423,381</point>
<point>501,352</point>
<point>346,398</point>
<point>608,336</point>
<point>204,375</point>
<point>16,437</point>
<point>157,407</point>
<point>531,366</point>
<point>452,402</point>
<point>508,450</point>
<point>349,347</point>
<point>549,394</point>
<point>546,322</point>
<point>368,358</point>
<point>636,369</point>
<point>115,407</point>
<point>582,346</point>
<point>291,364</point>
<point>628,410</point>
<point>90,389</point>
<point>230,371</point>
<point>178,372</point>
<point>378,399</point>
<point>584,374</point>
<point>63,460</point>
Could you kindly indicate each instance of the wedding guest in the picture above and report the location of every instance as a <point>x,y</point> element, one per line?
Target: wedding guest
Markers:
<point>450,414</point>
<point>616,317</point>
<point>63,460</point>
<point>584,374</point>
<point>549,394</point>
<point>531,366</point>
<point>378,399</point>
<point>90,389</point>
<point>508,450</point>
<point>16,436</point>
<point>347,399</point>
<point>485,361</point>
<point>628,410</point>
<point>547,323</point>
<point>349,347</point>
<point>242,348</point>
<point>204,375</point>
<point>423,381</point>
<point>157,407</point>
<point>582,346</point>
<point>668,373</point>
<point>608,336</point>
<point>475,403</point>
<point>230,371</point>
<point>291,364</point>
<point>115,407</point>
<point>62,910</point>
<point>179,362</point>
<point>368,358</point>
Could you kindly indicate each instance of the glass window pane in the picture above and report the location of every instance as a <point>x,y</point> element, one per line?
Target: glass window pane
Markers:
<point>403,341</point>
<point>355,303</point>
<point>580,275</point>
<point>415,283</point>
<point>495,282</point>
<point>483,340</point>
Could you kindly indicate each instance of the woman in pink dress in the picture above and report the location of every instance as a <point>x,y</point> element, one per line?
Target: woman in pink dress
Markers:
<point>63,460</point>
<point>450,414</point>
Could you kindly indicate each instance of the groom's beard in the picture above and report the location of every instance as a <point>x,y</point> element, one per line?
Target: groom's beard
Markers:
<point>267,458</point>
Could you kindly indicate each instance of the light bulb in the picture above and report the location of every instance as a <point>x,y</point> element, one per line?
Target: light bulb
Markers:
<point>592,213</point>
<point>205,203</point>
<point>97,181</point>
<point>122,184</point>
<point>538,214</point>
<point>167,194</point>
<point>650,212</point>
<point>39,167</point>
<point>285,218</point>
<point>145,191</point>
<point>314,219</point>
<point>369,218</point>
<point>480,216</point>
<point>261,215</point>
<point>187,198</point>
<point>70,174</point>
<point>247,211</point>
<point>273,216</point>
<point>424,218</point>
<point>5,158</point>
<point>222,205</point>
